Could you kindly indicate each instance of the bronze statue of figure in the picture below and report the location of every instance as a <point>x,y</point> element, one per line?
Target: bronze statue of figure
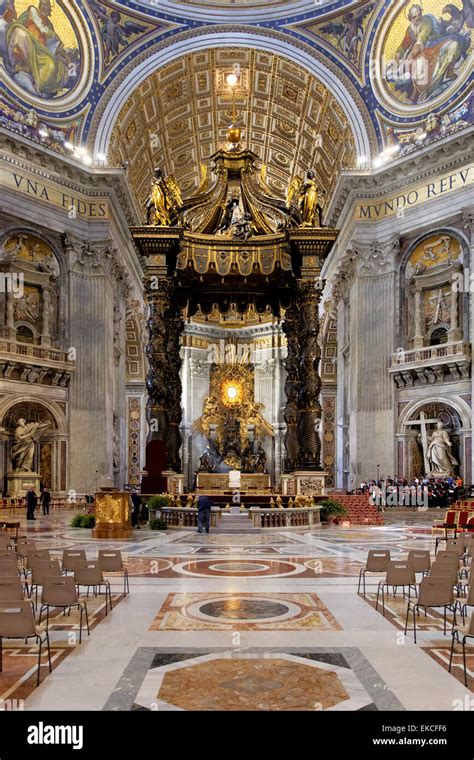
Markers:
<point>230,215</point>
<point>260,460</point>
<point>302,199</point>
<point>208,461</point>
<point>163,203</point>
<point>243,228</point>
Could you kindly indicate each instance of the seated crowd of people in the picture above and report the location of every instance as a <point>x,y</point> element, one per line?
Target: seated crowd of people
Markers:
<point>400,492</point>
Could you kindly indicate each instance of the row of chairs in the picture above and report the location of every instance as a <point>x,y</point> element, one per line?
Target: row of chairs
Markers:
<point>441,585</point>
<point>24,569</point>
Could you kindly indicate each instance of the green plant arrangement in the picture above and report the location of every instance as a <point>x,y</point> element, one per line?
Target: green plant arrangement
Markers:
<point>158,502</point>
<point>83,521</point>
<point>331,509</point>
<point>157,524</point>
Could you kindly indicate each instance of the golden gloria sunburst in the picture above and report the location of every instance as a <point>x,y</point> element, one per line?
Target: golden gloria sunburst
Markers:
<point>231,392</point>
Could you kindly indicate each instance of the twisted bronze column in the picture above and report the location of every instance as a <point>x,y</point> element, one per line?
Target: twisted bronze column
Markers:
<point>175,326</point>
<point>309,407</point>
<point>158,298</point>
<point>163,382</point>
<point>291,326</point>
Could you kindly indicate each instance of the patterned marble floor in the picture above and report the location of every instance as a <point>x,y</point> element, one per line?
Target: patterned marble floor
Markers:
<point>245,621</point>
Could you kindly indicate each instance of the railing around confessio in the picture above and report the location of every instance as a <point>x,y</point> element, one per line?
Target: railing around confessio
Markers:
<point>285,518</point>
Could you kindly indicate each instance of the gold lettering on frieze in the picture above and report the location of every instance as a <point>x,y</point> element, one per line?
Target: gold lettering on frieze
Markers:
<point>76,204</point>
<point>414,195</point>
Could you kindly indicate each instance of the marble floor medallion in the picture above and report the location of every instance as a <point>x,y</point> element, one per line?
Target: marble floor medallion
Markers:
<point>240,568</point>
<point>183,612</point>
<point>244,609</point>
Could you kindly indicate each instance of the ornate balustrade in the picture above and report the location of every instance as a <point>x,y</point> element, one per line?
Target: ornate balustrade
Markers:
<point>431,364</point>
<point>24,361</point>
<point>285,518</point>
<point>185,517</point>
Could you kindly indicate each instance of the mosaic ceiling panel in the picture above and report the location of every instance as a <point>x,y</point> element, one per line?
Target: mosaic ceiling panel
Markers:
<point>179,117</point>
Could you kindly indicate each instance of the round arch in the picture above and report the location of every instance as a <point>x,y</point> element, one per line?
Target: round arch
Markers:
<point>405,460</point>
<point>272,44</point>
<point>447,230</point>
<point>24,230</point>
<point>456,402</point>
<point>50,406</point>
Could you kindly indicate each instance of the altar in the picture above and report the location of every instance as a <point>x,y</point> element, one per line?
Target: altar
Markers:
<point>217,482</point>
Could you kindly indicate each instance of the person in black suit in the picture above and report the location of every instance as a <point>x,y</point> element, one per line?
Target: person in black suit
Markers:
<point>204,513</point>
<point>136,500</point>
<point>45,500</point>
<point>31,502</point>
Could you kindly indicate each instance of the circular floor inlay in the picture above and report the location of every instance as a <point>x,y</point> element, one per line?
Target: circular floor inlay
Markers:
<point>238,567</point>
<point>244,609</point>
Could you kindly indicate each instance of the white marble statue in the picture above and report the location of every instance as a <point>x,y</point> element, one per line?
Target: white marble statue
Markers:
<point>440,459</point>
<point>23,450</point>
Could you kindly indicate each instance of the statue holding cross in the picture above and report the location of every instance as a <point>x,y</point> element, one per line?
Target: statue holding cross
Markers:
<point>438,460</point>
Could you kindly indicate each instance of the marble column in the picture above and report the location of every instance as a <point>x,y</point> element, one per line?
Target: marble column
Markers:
<point>91,299</point>
<point>45,335</point>
<point>468,224</point>
<point>309,406</point>
<point>418,307</point>
<point>454,332</point>
<point>10,331</point>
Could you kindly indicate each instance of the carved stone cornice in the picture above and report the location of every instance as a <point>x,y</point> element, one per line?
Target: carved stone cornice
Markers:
<point>65,171</point>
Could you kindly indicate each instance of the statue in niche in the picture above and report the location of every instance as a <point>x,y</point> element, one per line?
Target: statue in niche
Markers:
<point>441,461</point>
<point>163,203</point>
<point>23,450</point>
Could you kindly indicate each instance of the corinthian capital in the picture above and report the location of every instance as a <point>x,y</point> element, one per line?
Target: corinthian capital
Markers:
<point>342,280</point>
<point>378,258</point>
<point>468,218</point>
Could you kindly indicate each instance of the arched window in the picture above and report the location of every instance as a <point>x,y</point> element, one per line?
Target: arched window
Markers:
<point>25,335</point>
<point>438,336</point>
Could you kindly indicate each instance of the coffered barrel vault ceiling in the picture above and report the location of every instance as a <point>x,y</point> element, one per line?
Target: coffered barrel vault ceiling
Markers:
<point>178,117</point>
